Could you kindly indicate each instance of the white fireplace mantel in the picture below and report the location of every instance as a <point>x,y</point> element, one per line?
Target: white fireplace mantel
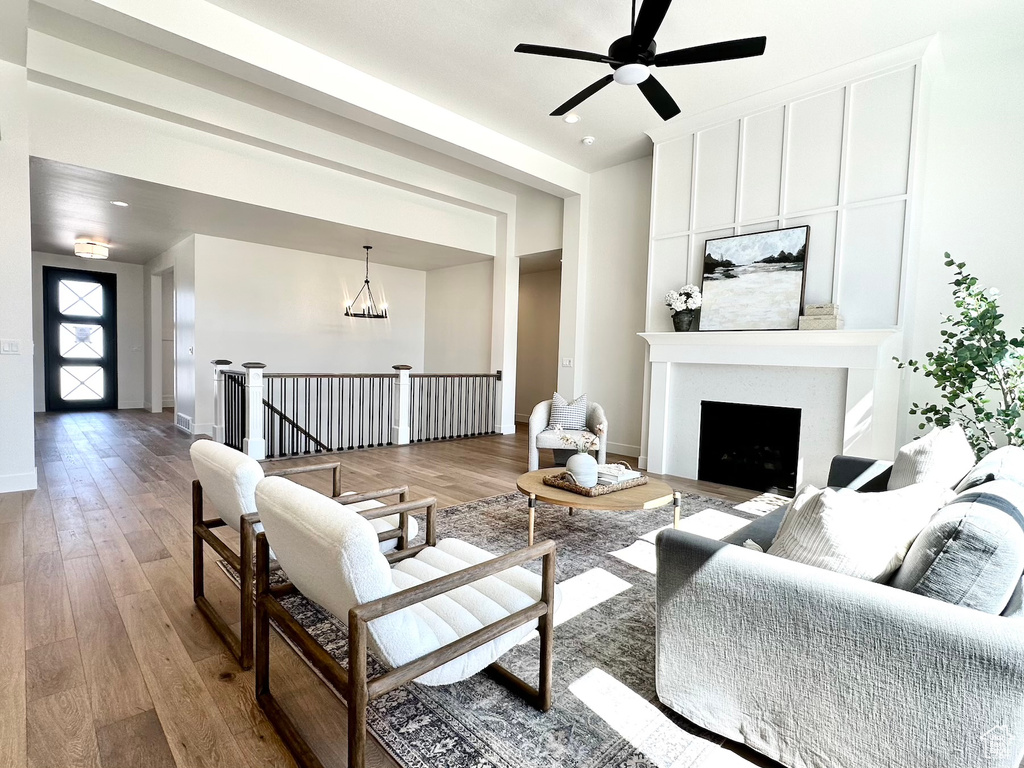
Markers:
<point>872,380</point>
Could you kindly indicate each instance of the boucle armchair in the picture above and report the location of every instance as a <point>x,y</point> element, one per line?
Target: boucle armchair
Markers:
<point>444,612</point>
<point>542,437</point>
<point>228,478</point>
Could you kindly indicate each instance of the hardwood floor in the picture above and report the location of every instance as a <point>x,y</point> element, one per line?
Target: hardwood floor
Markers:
<point>104,660</point>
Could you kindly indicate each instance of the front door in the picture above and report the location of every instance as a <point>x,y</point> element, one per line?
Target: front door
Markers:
<point>79,339</point>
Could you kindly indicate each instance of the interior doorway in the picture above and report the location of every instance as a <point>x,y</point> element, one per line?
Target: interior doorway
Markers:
<point>167,345</point>
<point>79,339</point>
<point>540,286</point>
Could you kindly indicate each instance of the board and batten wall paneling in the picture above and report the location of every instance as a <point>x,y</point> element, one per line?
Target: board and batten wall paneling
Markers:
<point>839,160</point>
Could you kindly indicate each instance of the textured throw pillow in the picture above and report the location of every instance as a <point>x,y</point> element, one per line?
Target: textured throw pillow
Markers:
<point>864,535</point>
<point>972,552</point>
<point>942,456</point>
<point>1005,463</point>
<point>568,415</point>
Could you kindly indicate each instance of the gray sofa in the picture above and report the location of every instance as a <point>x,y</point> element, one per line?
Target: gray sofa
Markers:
<point>819,670</point>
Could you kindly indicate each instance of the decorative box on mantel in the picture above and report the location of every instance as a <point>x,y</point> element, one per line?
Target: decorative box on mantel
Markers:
<point>867,424</point>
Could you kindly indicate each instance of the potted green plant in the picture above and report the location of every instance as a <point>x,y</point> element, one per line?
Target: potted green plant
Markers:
<point>977,368</point>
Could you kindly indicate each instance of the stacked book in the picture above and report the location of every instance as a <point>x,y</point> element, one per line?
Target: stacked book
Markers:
<point>612,474</point>
<point>820,317</point>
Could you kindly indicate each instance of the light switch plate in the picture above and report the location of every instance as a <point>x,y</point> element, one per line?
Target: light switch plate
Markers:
<point>10,347</point>
<point>567,362</point>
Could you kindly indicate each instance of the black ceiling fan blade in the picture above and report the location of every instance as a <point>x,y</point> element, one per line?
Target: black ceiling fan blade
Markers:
<point>702,54</point>
<point>648,21</point>
<point>660,99</point>
<point>582,96</point>
<point>564,53</point>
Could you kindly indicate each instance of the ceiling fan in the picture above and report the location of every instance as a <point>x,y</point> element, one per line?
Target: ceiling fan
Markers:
<point>632,57</point>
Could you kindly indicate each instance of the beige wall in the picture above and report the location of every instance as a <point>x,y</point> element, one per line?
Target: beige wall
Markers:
<point>458,319</point>
<point>537,367</point>
<point>613,363</point>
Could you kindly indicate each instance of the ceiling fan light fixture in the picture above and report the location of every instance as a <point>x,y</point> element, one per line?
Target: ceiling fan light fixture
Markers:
<point>631,74</point>
<point>89,249</point>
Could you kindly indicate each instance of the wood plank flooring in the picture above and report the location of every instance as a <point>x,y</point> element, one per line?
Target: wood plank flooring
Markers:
<point>104,660</point>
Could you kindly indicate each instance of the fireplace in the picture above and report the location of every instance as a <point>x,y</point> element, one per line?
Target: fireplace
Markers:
<point>749,446</point>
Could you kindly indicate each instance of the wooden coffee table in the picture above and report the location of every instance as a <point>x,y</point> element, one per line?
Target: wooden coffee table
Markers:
<point>654,494</point>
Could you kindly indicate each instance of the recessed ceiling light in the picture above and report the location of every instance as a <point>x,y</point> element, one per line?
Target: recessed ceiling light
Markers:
<point>571,118</point>
<point>119,203</point>
<point>588,140</point>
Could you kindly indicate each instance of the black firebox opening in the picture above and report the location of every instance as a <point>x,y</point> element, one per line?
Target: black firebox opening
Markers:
<point>749,446</point>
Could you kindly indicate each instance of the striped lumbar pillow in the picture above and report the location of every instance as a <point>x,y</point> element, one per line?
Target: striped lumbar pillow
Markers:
<point>864,535</point>
<point>942,456</point>
<point>568,415</point>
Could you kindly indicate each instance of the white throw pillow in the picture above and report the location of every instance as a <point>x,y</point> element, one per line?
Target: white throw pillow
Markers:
<point>865,535</point>
<point>570,415</point>
<point>942,456</point>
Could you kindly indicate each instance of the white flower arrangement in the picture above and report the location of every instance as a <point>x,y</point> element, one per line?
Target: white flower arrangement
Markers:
<point>582,444</point>
<point>687,297</point>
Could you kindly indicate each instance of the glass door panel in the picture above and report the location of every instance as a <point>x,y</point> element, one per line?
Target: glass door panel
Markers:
<point>80,339</point>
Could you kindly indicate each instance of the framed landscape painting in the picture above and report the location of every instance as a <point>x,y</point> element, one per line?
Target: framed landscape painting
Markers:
<point>754,282</point>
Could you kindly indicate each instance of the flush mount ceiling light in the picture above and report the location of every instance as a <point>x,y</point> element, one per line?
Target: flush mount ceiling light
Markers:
<point>90,249</point>
<point>369,306</point>
<point>571,118</point>
<point>119,203</point>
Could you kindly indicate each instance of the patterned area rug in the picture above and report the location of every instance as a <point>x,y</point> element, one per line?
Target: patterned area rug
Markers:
<point>605,712</point>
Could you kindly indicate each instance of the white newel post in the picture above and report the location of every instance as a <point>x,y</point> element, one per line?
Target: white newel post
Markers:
<point>401,407</point>
<point>255,443</point>
<point>218,399</point>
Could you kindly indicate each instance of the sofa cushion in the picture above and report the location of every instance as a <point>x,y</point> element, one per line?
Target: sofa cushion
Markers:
<point>972,552</point>
<point>568,415</point>
<point>761,531</point>
<point>1006,463</point>
<point>552,439</point>
<point>942,456</point>
<point>865,535</point>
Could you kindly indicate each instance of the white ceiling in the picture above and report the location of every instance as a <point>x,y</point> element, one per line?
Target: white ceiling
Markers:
<point>70,202</point>
<point>459,54</point>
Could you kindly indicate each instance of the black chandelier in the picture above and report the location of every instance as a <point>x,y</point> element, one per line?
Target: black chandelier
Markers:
<point>370,308</point>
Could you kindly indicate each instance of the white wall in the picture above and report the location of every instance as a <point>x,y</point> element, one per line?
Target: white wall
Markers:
<point>973,180</point>
<point>285,308</point>
<point>130,324</point>
<point>181,260</point>
<point>537,352</point>
<point>457,326</point>
<point>167,339</point>
<point>838,160</point>
<point>17,458</point>
<point>538,222</point>
<point>613,366</point>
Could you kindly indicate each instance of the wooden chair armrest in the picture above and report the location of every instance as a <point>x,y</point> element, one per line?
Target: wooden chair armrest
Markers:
<point>334,467</point>
<point>403,509</point>
<point>439,586</point>
<point>355,498</point>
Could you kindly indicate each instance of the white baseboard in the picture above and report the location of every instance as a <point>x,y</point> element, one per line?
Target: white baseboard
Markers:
<point>202,429</point>
<point>23,481</point>
<point>127,405</point>
<point>624,449</point>
<point>642,462</point>
<point>522,418</point>
<point>169,402</point>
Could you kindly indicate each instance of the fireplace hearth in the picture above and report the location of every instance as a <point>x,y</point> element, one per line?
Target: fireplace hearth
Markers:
<point>749,446</point>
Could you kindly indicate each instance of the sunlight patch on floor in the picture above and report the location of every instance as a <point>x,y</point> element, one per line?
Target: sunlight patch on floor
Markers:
<point>639,722</point>
<point>710,523</point>
<point>583,592</point>
<point>640,554</point>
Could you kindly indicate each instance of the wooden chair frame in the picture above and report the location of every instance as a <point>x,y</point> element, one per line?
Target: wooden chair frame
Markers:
<point>353,686</point>
<point>241,645</point>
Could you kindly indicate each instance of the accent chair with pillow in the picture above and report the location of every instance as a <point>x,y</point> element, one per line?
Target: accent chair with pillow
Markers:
<point>824,666</point>
<point>228,478</point>
<point>436,614</point>
<point>577,418</point>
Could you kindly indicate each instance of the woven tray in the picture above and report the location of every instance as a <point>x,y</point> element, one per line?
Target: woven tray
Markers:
<point>567,482</point>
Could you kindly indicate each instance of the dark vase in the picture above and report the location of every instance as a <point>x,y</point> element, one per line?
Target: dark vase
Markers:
<point>683,319</point>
